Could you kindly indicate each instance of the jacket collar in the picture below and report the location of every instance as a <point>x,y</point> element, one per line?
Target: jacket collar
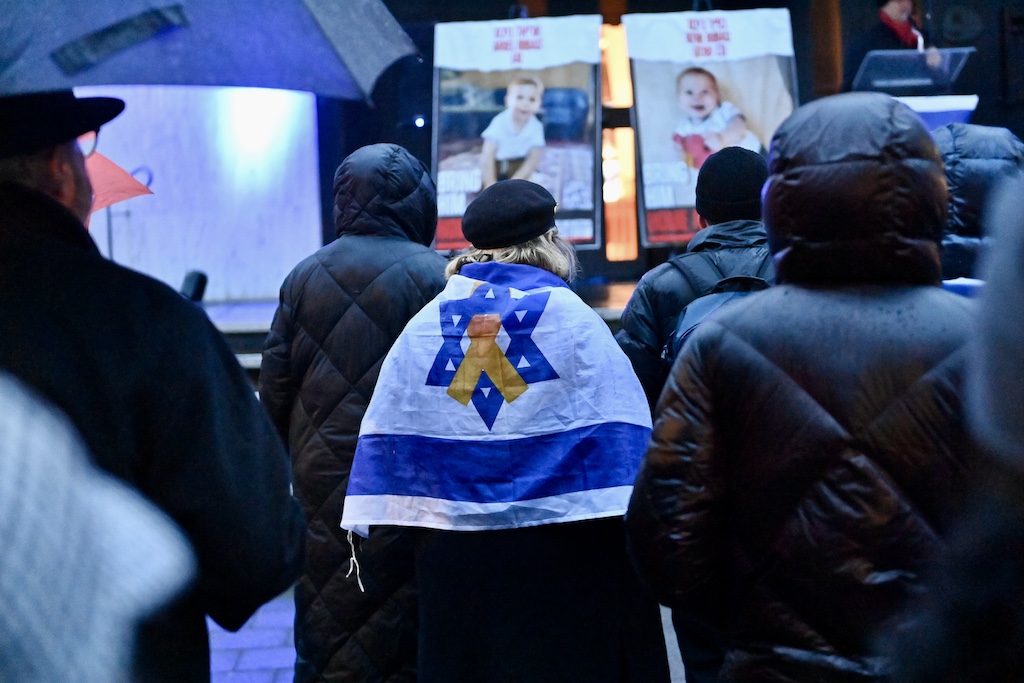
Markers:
<point>729,235</point>
<point>26,214</point>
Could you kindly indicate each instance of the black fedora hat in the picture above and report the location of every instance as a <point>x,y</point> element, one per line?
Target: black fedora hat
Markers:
<point>32,122</point>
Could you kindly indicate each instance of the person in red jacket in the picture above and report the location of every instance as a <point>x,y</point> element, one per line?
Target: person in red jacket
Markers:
<point>894,29</point>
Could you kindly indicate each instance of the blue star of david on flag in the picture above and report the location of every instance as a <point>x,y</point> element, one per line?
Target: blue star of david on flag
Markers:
<point>483,374</point>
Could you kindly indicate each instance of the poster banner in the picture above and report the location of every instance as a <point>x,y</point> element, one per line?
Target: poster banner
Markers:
<point>518,99</point>
<point>702,81</point>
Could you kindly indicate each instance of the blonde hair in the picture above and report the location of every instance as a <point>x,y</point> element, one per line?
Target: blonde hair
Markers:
<point>549,251</point>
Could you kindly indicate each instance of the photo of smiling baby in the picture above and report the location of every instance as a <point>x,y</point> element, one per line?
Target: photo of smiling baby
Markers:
<point>702,81</point>
<point>707,124</point>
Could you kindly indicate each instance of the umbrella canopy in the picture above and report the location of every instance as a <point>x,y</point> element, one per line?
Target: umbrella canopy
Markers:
<point>336,48</point>
<point>111,183</point>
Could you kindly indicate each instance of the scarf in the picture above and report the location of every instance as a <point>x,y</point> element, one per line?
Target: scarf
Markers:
<point>904,30</point>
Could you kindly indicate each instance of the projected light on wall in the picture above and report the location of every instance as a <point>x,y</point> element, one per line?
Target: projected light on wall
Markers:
<point>256,129</point>
<point>236,185</point>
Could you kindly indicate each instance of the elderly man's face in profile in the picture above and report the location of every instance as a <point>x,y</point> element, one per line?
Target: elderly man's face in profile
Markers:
<point>80,190</point>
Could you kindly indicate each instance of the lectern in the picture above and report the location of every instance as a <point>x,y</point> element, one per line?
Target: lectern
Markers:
<point>907,72</point>
<point>908,76</point>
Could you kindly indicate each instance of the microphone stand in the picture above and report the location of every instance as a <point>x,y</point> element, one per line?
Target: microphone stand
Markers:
<point>928,25</point>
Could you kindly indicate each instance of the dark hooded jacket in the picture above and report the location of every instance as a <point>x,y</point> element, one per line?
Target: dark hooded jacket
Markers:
<point>808,449</point>
<point>340,311</point>
<point>969,626</point>
<point>976,159</point>
<point>649,319</point>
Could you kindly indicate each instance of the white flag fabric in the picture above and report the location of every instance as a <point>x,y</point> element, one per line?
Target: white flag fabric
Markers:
<point>531,44</point>
<point>715,36</point>
<point>505,403</point>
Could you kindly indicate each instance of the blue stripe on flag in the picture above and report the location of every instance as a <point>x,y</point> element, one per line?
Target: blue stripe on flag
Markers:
<point>587,458</point>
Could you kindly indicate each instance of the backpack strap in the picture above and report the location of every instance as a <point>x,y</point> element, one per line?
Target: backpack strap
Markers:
<point>741,283</point>
<point>767,269</point>
<point>700,272</point>
<point>709,299</point>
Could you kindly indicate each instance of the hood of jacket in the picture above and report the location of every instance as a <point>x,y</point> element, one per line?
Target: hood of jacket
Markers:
<point>383,190</point>
<point>975,159</point>
<point>856,194</point>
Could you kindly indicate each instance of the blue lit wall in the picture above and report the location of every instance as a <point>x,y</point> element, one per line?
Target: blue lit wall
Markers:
<point>235,179</point>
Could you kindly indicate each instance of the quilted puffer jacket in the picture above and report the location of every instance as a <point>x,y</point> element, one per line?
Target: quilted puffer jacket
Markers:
<point>650,317</point>
<point>976,158</point>
<point>340,311</point>
<point>969,627</point>
<point>808,450</point>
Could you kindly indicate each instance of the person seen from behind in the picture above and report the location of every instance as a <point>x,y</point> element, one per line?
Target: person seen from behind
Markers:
<point>340,311</point>
<point>969,625</point>
<point>808,455</point>
<point>505,431</point>
<point>976,159</point>
<point>731,242</point>
<point>147,380</point>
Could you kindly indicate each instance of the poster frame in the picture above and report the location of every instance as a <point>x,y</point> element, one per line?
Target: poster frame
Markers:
<point>592,135</point>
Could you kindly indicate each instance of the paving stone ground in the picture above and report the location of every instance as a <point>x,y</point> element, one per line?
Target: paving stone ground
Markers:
<point>263,651</point>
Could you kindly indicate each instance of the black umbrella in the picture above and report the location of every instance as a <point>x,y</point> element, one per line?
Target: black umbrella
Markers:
<point>336,48</point>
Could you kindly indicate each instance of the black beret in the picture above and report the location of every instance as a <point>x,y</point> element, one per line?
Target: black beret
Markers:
<point>35,121</point>
<point>507,213</point>
<point>729,185</point>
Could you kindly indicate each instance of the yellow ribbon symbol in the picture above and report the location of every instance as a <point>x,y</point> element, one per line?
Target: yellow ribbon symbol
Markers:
<point>484,355</point>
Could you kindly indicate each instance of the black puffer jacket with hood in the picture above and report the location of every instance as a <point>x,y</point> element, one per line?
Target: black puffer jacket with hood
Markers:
<point>340,311</point>
<point>975,158</point>
<point>808,450</point>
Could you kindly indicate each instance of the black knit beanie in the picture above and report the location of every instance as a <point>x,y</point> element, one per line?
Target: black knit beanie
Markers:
<point>507,213</point>
<point>729,185</point>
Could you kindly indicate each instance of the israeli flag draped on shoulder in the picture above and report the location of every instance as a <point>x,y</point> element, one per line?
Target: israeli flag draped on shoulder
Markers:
<point>505,403</point>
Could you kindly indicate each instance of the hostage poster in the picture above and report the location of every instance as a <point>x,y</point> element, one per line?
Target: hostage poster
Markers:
<point>702,81</point>
<point>518,99</point>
